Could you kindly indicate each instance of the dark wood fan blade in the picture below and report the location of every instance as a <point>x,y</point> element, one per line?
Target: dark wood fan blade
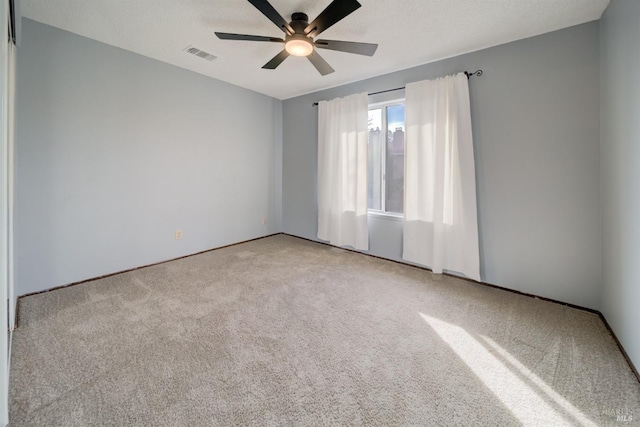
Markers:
<point>277,60</point>
<point>267,10</point>
<point>352,47</point>
<point>337,10</point>
<point>321,65</point>
<point>231,36</point>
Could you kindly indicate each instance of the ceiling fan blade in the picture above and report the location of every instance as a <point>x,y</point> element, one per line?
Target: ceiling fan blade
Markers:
<point>267,10</point>
<point>351,47</point>
<point>231,36</point>
<point>321,65</point>
<point>277,60</point>
<point>337,10</point>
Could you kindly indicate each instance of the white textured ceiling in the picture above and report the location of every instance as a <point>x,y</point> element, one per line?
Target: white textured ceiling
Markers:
<point>408,32</point>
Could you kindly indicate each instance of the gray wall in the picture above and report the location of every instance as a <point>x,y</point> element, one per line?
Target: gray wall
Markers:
<point>536,135</point>
<point>116,151</point>
<point>620,169</point>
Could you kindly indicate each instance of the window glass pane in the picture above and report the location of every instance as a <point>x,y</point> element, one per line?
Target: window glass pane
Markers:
<point>375,159</point>
<point>394,201</point>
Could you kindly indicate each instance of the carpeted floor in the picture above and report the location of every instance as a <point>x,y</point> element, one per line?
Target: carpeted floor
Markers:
<point>282,331</point>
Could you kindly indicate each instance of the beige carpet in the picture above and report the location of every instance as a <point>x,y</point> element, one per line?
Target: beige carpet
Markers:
<point>282,331</point>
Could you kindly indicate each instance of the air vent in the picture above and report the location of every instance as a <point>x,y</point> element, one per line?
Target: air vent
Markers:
<point>201,53</point>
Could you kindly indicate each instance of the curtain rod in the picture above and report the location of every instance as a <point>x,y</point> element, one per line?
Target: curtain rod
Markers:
<point>467,73</point>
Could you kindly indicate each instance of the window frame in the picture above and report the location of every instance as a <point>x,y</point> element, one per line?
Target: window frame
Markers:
<point>398,216</point>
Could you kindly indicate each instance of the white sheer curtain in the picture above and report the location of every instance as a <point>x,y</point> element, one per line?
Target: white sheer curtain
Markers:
<point>441,227</point>
<point>342,171</point>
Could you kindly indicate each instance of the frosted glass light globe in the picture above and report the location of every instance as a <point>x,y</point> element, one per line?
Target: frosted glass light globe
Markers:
<point>298,46</point>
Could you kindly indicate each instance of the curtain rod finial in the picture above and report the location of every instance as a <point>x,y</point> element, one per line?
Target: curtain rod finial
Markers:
<point>476,73</point>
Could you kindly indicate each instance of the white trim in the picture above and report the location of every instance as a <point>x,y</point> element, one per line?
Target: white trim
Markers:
<point>385,215</point>
<point>390,103</point>
<point>4,218</point>
<point>10,163</point>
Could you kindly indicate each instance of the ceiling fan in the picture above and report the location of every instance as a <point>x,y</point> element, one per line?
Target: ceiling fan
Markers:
<point>300,34</point>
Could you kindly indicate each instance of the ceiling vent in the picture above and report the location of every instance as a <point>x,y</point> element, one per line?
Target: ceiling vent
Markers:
<point>201,53</point>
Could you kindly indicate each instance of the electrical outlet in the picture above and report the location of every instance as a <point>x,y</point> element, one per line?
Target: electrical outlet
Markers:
<point>178,234</point>
<point>264,220</point>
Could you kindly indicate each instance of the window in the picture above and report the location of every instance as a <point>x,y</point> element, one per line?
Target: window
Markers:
<point>386,157</point>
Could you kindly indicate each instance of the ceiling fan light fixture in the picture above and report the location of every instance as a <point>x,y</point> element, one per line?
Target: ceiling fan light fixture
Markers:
<point>298,45</point>
<point>300,34</point>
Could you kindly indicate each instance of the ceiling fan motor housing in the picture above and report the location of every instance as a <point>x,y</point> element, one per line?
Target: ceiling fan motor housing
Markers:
<point>299,22</point>
<point>298,43</point>
<point>299,16</point>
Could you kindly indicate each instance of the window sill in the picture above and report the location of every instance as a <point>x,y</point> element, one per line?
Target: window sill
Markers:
<point>385,215</point>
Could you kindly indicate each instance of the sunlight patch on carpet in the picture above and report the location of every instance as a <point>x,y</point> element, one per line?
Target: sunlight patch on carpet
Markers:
<point>522,400</point>
<point>543,386</point>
